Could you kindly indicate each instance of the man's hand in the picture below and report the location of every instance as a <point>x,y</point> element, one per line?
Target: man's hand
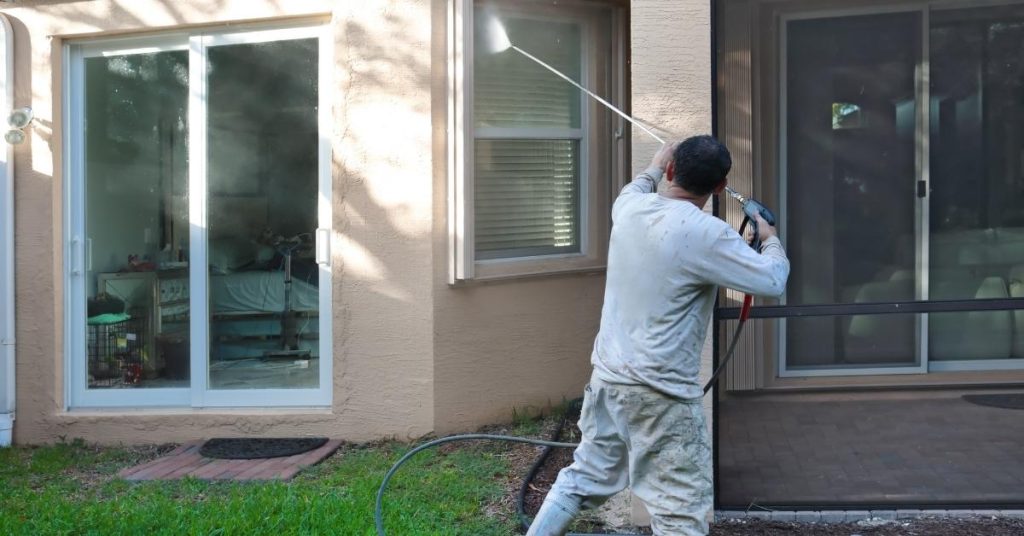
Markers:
<point>764,231</point>
<point>665,155</point>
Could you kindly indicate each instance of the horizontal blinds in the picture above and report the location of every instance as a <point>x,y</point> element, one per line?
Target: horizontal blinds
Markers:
<point>512,91</point>
<point>527,199</point>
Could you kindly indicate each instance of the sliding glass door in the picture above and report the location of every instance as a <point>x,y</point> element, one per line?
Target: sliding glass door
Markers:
<point>850,210</point>
<point>198,220</point>
<point>889,199</point>
<point>976,225</point>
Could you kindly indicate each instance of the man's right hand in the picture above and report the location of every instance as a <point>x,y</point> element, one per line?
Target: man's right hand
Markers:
<point>764,230</point>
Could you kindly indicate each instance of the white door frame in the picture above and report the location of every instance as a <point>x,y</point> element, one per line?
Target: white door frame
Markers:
<point>77,255</point>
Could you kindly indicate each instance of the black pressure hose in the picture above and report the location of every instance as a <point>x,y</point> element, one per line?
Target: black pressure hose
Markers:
<point>573,409</point>
<point>378,512</point>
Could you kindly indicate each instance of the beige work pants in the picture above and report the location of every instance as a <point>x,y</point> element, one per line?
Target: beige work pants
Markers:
<point>658,445</point>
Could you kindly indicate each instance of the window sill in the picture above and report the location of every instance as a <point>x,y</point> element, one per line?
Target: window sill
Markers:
<point>297,411</point>
<point>510,276</point>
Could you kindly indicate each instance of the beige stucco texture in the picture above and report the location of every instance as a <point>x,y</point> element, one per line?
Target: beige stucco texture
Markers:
<point>671,81</point>
<point>381,244</point>
<point>412,355</point>
<point>527,343</point>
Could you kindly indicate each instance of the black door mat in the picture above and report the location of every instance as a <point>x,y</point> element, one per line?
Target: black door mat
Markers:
<point>1005,401</point>
<point>227,448</point>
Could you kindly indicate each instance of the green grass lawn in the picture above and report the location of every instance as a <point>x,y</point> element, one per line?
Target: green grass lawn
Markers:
<point>72,488</point>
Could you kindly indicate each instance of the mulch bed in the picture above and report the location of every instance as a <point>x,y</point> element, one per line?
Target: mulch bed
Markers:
<point>545,478</point>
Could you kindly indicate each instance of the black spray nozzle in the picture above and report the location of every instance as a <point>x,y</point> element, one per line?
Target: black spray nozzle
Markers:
<point>750,209</point>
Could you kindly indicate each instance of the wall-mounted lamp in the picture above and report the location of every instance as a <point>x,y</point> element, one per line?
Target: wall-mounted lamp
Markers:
<point>19,119</point>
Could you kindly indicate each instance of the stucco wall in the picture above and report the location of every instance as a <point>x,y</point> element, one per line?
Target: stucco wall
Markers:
<point>512,344</point>
<point>382,218</point>
<point>412,355</point>
<point>515,345</point>
<point>671,64</point>
<point>518,345</point>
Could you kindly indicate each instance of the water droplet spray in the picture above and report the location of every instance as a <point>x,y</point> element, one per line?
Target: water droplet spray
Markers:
<point>499,42</point>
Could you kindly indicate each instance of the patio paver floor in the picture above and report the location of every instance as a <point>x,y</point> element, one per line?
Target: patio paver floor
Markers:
<point>845,449</point>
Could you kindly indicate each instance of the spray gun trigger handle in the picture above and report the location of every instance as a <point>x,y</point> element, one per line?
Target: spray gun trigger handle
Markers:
<point>756,242</point>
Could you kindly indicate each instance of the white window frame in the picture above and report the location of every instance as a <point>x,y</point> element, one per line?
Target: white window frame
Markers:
<point>76,264</point>
<point>596,175</point>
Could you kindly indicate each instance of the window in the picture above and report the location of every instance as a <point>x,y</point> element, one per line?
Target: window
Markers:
<point>194,176</point>
<point>534,158</point>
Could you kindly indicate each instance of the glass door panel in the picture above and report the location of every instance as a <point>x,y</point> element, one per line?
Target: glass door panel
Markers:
<point>136,250</point>
<point>850,217</point>
<point>263,158</point>
<point>976,239</point>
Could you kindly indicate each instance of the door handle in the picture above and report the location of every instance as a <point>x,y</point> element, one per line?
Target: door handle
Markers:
<point>76,254</point>
<point>323,247</point>
<point>922,188</point>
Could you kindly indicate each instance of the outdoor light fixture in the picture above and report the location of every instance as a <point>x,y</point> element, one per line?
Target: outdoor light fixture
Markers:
<point>19,119</point>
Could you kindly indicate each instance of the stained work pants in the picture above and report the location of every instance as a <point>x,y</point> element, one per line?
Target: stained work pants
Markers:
<point>634,436</point>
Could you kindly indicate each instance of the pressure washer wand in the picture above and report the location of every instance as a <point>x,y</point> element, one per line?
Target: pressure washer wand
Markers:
<point>593,95</point>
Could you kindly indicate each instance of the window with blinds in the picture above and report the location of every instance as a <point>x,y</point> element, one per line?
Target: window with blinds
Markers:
<point>528,142</point>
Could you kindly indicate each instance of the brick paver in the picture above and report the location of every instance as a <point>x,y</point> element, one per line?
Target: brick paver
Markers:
<point>185,461</point>
<point>914,448</point>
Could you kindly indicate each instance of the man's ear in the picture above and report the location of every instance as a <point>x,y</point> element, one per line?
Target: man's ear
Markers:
<point>721,186</point>
<point>669,171</point>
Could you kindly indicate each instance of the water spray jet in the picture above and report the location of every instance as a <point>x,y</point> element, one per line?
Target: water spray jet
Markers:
<point>499,42</point>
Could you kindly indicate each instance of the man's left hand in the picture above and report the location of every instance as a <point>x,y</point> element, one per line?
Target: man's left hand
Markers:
<point>665,155</point>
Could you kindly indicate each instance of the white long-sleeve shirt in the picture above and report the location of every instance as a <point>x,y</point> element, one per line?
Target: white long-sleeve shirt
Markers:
<point>666,260</point>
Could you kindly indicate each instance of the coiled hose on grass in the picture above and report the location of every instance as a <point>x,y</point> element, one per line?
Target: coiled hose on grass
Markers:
<point>378,511</point>
<point>573,409</point>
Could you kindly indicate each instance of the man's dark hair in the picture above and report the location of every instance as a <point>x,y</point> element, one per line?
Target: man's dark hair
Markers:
<point>700,164</point>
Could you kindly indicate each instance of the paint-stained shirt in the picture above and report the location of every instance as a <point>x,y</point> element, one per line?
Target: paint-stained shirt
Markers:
<point>666,260</point>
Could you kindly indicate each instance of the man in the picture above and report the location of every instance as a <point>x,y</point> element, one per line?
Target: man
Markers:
<point>643,421</point>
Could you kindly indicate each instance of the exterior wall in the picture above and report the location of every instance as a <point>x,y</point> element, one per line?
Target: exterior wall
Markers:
<point>517,345</point>
<point>526,343</point>
<point>382,218</point>
<point>671,81</point>
<point>501,346</point>
<point>412,354</point>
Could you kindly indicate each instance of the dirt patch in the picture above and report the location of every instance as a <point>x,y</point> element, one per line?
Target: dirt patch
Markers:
<point>104,463</point>
<point>545,478</point>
